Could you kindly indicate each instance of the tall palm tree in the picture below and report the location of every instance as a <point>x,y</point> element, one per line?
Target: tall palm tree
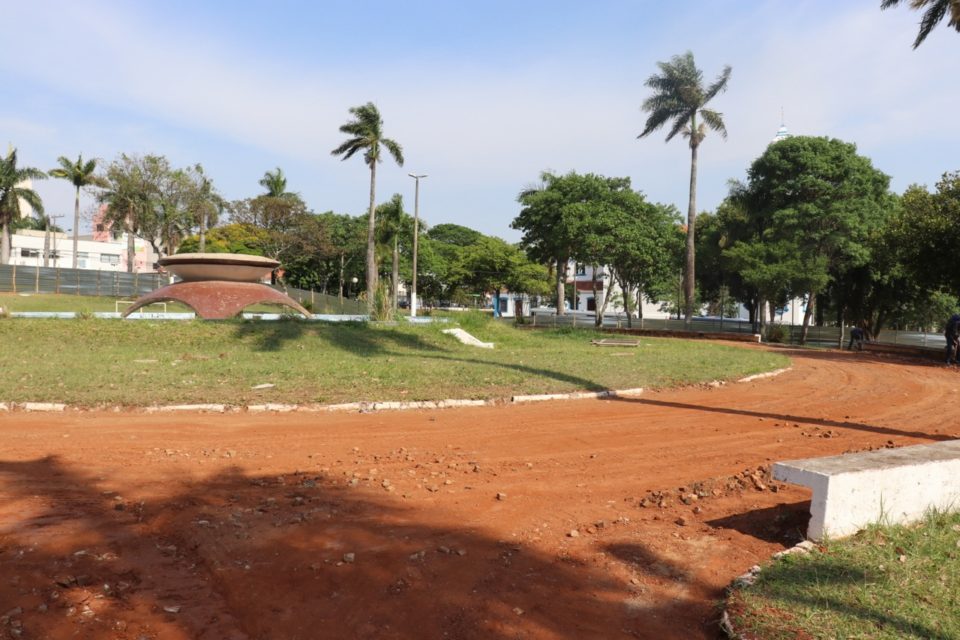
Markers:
<point>366,134</point>
<point>12,194</point>
<point>126,198</point>
<point>80,174</point>
<point>679,97</point>
<point>936,10</point>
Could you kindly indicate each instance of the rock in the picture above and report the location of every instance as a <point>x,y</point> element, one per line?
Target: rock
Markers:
<point>518,611</point>
<point>501,496</point>
<point>573,533</point>
<point>172,609</point>
<point>349,557</point>
<point>681,521</point>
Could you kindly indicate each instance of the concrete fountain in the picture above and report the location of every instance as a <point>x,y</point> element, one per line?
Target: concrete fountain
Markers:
<point>218,286</point>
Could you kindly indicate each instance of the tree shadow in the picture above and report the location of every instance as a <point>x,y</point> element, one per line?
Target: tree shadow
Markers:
<point>297,556</point>
<point>353,337</point>
<point>781,524</point>
<point>798,584</point>
<point>786,417</point>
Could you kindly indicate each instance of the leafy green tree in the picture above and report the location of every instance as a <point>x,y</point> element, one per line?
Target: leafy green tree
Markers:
<point>454,234</point>
<point>278,218</point>
<point>492,265</point>
<point>366,135</point>
<point>936,11</point>
<point>679,98</point>
<point>551,220</point>
<point>12,194</point>
<point>79,174</point>
<point>815,202</point>
<point>229,238</point>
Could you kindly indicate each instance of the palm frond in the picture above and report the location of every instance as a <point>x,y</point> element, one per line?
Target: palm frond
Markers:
<point>933,15</point>
<point>678,126</point>
<point>719,85</point>
<point>714,120</point>
<point>395,150</point>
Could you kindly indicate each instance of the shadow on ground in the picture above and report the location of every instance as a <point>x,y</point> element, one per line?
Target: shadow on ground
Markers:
<point>298,556</point>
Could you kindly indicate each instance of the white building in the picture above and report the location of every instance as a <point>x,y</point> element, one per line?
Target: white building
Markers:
<point>26,248</point>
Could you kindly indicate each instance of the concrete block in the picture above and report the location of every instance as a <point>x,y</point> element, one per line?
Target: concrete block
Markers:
<point>894,486</point>
<point>42,406</point>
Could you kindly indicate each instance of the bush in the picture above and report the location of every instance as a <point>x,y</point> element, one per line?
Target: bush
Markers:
<point>776,333</point>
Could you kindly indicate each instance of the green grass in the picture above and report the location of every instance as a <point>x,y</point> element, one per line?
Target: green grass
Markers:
<point>19,302</point>
<point>890,583</point>
<point>91,362</point>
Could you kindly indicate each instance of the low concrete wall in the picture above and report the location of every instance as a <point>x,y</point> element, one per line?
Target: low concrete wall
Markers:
<point>892,486</point>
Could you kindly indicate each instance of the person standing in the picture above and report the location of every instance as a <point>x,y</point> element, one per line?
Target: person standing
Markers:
<point>952,335</point>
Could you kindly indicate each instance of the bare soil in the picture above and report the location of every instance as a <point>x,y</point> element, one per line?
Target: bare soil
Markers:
<point>575,520</point>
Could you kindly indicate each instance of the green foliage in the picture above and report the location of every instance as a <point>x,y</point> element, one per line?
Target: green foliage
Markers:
<point>11,194</point>
<point>382,306</point>
<point>806,216</point>
<point>148,197</point>
<point>454,234</point>
<point>231,238</point>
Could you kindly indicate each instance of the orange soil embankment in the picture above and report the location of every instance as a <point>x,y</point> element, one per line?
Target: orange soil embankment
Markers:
<point>574,520</point>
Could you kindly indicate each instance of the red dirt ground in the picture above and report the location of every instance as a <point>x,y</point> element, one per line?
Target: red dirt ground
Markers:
<point>436,524</point>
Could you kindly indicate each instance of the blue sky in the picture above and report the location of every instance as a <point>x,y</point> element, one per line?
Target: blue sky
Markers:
<point>482,96</point>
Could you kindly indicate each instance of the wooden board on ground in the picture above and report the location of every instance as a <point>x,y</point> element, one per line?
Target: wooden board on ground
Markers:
<point>615,342</point>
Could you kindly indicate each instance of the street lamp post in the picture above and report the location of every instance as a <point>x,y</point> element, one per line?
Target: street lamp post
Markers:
<point>416,233</point>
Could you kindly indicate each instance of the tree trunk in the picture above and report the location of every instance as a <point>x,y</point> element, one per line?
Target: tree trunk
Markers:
<point>5,243</point>
<point>372,242</point>
<point>203,231</point>
<point>340,295</point>
<point>806,317</point>
<point>395,274</point>
<point>46,243</point>
<point>76,226</point>
<point>597,314</point>
<point>561,294</point>
<point>840,322</point>
<point>689,275</point>
<point>131,243</point>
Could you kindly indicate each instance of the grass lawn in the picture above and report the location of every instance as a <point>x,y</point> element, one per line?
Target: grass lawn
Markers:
<point>884,583</point>
<point>92,361</point>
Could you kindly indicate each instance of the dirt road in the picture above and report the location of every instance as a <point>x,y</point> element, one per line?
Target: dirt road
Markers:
<point>573,520</point>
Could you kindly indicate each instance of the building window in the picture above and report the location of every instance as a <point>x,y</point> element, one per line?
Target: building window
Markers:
<point>29,253</point>
<point>591,304</point>
<point>581,269</point>
<point>504,305</point>
<point>83,255</point>
<point>109,258</point>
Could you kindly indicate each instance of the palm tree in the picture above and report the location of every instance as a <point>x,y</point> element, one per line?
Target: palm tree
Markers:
<point>80,174</point>
<point>678,98</point>
<point>126,198</point>
<point>936,10</point>
<point>366,134</point>
<point>391,225</point>
<point>276,184</point>
<point>12,194</point>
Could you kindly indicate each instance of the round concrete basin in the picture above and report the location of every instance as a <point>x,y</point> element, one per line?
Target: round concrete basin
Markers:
<point>231,267</point>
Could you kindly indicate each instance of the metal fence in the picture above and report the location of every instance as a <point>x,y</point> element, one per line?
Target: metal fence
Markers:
<point>82,282</point>
<point>87,282</point>
<point>789,334</point>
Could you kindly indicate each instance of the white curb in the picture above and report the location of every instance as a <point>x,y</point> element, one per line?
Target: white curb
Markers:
<point>769,374</point>
<point>41,406</point>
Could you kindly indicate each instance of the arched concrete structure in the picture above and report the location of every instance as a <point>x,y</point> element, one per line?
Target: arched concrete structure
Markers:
<point>217,299</point>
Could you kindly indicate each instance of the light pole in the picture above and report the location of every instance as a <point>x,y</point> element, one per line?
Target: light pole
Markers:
<point>416,233</point>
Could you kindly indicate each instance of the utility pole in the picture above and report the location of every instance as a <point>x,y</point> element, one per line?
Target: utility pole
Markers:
<point>416,234</point>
